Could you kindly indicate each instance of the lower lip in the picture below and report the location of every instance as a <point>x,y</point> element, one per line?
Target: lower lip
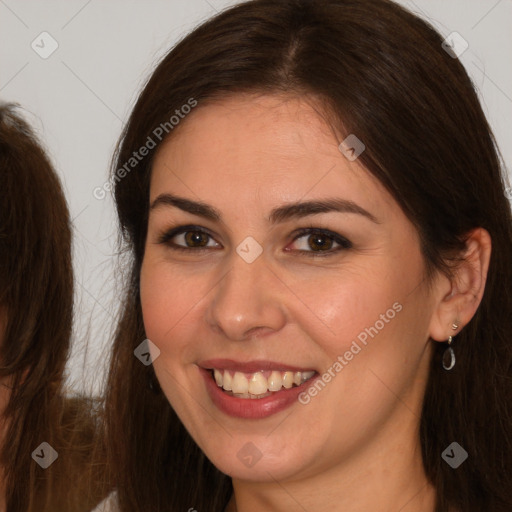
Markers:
<point>252,408</point>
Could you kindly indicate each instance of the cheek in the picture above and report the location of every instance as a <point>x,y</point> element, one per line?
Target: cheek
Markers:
<point>351,303</point>
<point>372,327</point>
<point>379,357</point>
<point>168,299</point>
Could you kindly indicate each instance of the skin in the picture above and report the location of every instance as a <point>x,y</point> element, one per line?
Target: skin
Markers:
<point>354,446</point>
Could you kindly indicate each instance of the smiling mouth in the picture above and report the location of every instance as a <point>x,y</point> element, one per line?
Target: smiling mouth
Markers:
<point>259,384</point>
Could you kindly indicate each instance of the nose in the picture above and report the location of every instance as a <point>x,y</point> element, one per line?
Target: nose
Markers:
<point>248,301</point>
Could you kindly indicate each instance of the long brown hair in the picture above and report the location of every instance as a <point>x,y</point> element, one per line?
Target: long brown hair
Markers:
<point>36,296</point>
<point>381,73</point>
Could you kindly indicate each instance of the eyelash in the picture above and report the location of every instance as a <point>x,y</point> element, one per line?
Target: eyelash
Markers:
<point>343,243</point>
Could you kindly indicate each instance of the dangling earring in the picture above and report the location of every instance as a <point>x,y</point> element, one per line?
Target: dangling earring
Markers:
<point>449,354</point>
<point>153,383</point>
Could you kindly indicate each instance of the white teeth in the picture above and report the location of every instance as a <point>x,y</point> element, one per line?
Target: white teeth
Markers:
<point>228,381</point>
<point>218,377</point>
<point>257,385</point>
<point>240,383</point>
<point>305,376</point>
<point>288,380</point>
<point>275,381</point>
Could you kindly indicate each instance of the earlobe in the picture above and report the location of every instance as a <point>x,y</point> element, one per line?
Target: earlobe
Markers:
<point>467,285</point>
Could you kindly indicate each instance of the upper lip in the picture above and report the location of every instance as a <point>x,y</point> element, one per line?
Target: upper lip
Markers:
<point>249,366</point>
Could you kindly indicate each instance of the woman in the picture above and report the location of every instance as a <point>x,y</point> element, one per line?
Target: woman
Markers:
<point>46,438</point>
<point>320,272</point>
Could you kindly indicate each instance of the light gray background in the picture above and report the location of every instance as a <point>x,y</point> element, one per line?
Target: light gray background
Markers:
<point>79,97</point>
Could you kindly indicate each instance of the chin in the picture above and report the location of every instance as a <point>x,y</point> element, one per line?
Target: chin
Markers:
<point>259,458</point>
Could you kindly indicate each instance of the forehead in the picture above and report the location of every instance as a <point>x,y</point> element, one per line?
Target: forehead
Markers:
<point>275,148</point>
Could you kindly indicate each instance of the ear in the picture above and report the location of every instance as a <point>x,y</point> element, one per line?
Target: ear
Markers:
<point>458,297</point>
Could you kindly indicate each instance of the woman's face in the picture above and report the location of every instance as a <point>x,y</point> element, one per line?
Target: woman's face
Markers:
<point>233,281</point>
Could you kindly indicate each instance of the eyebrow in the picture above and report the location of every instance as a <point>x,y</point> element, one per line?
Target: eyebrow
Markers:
<point>277,215</point>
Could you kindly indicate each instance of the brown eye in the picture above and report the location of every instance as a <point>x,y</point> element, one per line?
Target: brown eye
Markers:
<point>320,242</point>
<point>316,241</point>
<point>188,238</point>
<point>196,238</point>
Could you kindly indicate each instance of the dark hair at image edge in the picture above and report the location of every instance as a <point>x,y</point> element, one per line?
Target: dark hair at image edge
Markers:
<point>385,78</point>
<point>36,296</point>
